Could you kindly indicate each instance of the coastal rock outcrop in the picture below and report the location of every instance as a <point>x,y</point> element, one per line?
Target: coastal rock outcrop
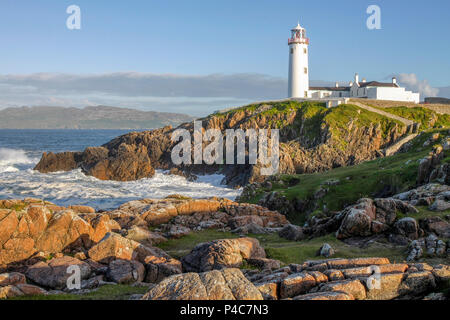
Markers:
<point>310,141</point>
<point>226,284</point>
<point>219,254</point>
<point>349,279</point>
<point>30,226</point>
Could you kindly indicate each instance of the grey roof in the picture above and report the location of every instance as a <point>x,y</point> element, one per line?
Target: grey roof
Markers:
<point>378,84</point>
<point>330,88</point>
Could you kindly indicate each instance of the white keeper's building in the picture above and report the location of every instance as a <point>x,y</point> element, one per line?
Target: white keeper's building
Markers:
<point>299,79</point>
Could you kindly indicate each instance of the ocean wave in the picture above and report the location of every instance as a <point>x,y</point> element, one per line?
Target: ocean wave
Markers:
<point>74,187</point>
<point>10,157</point>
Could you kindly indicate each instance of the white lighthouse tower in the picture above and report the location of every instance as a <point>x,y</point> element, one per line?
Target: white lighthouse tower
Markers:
<point>298,63</point>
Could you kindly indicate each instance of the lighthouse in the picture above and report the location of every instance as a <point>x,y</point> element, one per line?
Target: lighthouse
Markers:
<point>298,63</point>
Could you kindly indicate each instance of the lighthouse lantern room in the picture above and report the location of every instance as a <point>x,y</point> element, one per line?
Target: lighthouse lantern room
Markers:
<point>298,63</point>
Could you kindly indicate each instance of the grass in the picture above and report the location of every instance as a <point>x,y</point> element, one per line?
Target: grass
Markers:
<point>107,292</point>
<point>392,174</point>
<point>424,213</point>
<point>178,248</point>
<point>285,250</point>
<point>427,118</point>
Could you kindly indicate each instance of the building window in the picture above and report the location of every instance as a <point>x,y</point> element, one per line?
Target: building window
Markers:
<point>292,50</point>
<point>306,70</point>
<point>304,50</point>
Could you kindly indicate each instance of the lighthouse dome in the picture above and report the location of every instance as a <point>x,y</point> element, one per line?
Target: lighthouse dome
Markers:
<point>298,27</point>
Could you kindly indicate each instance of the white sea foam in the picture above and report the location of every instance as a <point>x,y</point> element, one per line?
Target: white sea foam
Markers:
<point>18,180</point>
<point>13,156</point>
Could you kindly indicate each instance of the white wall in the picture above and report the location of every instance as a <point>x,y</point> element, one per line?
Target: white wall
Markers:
<point>397,94</point>
<point>298,61</point>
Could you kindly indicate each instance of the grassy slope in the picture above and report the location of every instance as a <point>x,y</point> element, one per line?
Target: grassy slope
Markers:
<point>427,118</point>
<point>367,179</point>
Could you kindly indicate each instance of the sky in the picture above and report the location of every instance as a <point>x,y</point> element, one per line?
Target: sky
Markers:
<point>198,56</point>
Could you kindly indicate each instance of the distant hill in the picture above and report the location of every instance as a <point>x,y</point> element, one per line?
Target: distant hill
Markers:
<point>437,100</point>
<point>99,117</point>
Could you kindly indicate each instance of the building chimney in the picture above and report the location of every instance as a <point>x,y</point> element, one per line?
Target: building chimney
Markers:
<point>356,78</point>
<point>337,84</point>
<point>394,80</point>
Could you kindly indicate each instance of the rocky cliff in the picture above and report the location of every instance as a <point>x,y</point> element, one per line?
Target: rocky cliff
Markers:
<point>312,138</point>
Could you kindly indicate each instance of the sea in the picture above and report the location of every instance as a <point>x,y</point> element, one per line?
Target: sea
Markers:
<point>21,150</point>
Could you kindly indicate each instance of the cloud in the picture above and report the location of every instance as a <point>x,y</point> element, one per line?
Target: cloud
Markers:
<point>411,82</point>
<point>198,94</point>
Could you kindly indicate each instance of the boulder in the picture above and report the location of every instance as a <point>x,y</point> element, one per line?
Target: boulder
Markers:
<point>268,290</point>
<point>65,230</point>
<point>357,220</point>
<point>264,263</point>
<point>334,275</point>
<point>30,290</point>
<point>226,284</point>
<point>7,292</point>
<point>12,278</point>
<point>159,268</point>
<point>114,246</point>
<point>441,273</point>
<point>125,271</point>
<point>223,253</point>
<point>387,287</point>
<point>417,283</point>
<point>292,232</point>
<point>440,205</point>
<point>55,273</point>
<point>145,236</point>
<point>436,225</point>
<point>407,227</point>
<point>296,284</point>
<point>351,287</point>
<point>325,251</point>
<point>387,208</point>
